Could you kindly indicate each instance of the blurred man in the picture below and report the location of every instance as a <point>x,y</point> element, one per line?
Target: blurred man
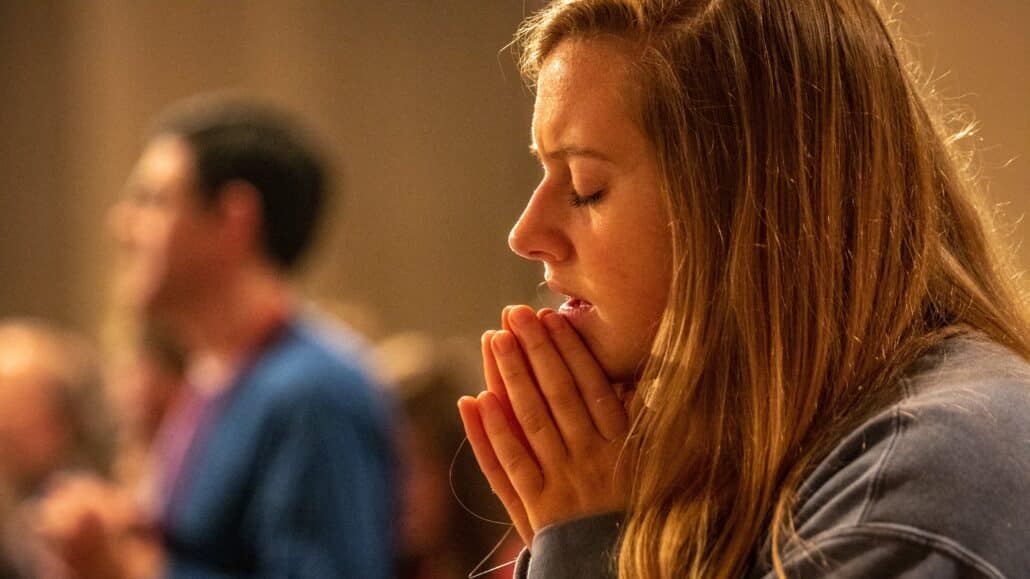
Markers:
<point>277,462</point>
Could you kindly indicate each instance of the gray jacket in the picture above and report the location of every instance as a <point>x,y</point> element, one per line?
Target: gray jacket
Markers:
<point>937,485</point>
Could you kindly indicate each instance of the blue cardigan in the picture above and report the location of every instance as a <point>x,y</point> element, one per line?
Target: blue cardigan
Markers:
<point>293,474</point>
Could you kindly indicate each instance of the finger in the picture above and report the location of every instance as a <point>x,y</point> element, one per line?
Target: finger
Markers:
<point>66,526</point>
<point>527,401</point>
<point>602,401</point>
<point>505,325</point>
<point>495,385</point>
<point>494,382</point>
<point>468,408</point>
<point>554,379</point>
<point>521,468</point>
<point>56,516</point>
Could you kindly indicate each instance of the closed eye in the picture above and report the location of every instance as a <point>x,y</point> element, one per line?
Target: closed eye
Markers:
<point>578,200</point>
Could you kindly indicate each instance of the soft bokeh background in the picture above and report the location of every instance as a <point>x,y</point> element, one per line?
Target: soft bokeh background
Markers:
<point>424,115</point>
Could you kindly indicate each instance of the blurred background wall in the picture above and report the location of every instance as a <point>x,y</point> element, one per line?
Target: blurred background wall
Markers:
<point>423,113</point>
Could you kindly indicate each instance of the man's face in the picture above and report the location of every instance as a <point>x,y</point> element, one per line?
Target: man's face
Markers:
<point>170,242</point>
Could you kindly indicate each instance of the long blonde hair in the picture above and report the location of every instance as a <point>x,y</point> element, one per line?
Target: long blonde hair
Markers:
<point>839,242</point>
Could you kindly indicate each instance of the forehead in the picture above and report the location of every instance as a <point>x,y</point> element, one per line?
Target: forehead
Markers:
<point>166,160</point>
<point>584,86</point>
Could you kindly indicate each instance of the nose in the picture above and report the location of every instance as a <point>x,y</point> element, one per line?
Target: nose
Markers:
<point>539,234</point>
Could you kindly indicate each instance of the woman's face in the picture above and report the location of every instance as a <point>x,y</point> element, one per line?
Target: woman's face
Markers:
<point>597,220</point>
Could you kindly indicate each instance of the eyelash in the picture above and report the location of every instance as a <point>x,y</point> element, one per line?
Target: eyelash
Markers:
<point>578,200</point>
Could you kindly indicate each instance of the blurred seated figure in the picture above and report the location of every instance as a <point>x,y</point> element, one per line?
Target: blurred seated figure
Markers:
<point>117,538</point>
<point>439,537</point>
<point>52,418</point>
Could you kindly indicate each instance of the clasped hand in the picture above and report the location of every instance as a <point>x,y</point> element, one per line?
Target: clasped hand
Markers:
<point>549,430</point>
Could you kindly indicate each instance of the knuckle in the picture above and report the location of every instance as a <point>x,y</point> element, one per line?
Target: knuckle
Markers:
<point>563,395</point>
<point>534,423</point>
<point>512,373</point>
<point>536,344</point>
<point>503,492</point>
<point>588,454</point>
<point>495,474</point>
<point>514,462</point>
<point>609,403</point>
<point>610,406</point>
<point>567,402</point>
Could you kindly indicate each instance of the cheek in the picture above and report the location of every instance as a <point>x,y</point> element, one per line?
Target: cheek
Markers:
<point>639,262</point>
<point>146,259</point>
<point>644,278</point>
<point>149,230</point>
<point>655,251</point>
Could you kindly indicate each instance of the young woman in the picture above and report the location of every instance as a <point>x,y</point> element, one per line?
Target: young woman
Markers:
<point>766,241</point>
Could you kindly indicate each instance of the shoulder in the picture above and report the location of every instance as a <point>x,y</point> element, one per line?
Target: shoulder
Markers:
<point>316,368</point>
<point>946,470</point>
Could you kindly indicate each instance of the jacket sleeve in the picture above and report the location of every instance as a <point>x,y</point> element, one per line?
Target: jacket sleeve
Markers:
<point>882,550</point>
<point>583,547</point>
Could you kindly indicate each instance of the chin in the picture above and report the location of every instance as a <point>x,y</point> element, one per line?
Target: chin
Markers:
<point>137,293</point>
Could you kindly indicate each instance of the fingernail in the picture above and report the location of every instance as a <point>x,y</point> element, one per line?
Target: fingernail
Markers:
<point>502,343</point>
<point>553,321</point>
<point>491,412</point>
<point>485,403</point>
<point>523,318</point>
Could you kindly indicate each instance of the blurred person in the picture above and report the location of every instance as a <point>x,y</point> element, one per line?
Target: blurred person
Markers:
<point>53,417</point>
<point>789,346</point>
<point>446,505</point>
<point>278,461</point>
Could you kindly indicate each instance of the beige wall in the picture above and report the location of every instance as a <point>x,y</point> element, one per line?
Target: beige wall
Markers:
<point>427,120</point>
<point>976,52</point>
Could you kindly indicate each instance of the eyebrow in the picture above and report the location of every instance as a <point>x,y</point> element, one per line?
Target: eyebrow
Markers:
<point>563,153</point>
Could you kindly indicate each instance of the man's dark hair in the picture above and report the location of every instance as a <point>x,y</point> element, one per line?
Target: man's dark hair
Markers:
<point>238,139</point>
